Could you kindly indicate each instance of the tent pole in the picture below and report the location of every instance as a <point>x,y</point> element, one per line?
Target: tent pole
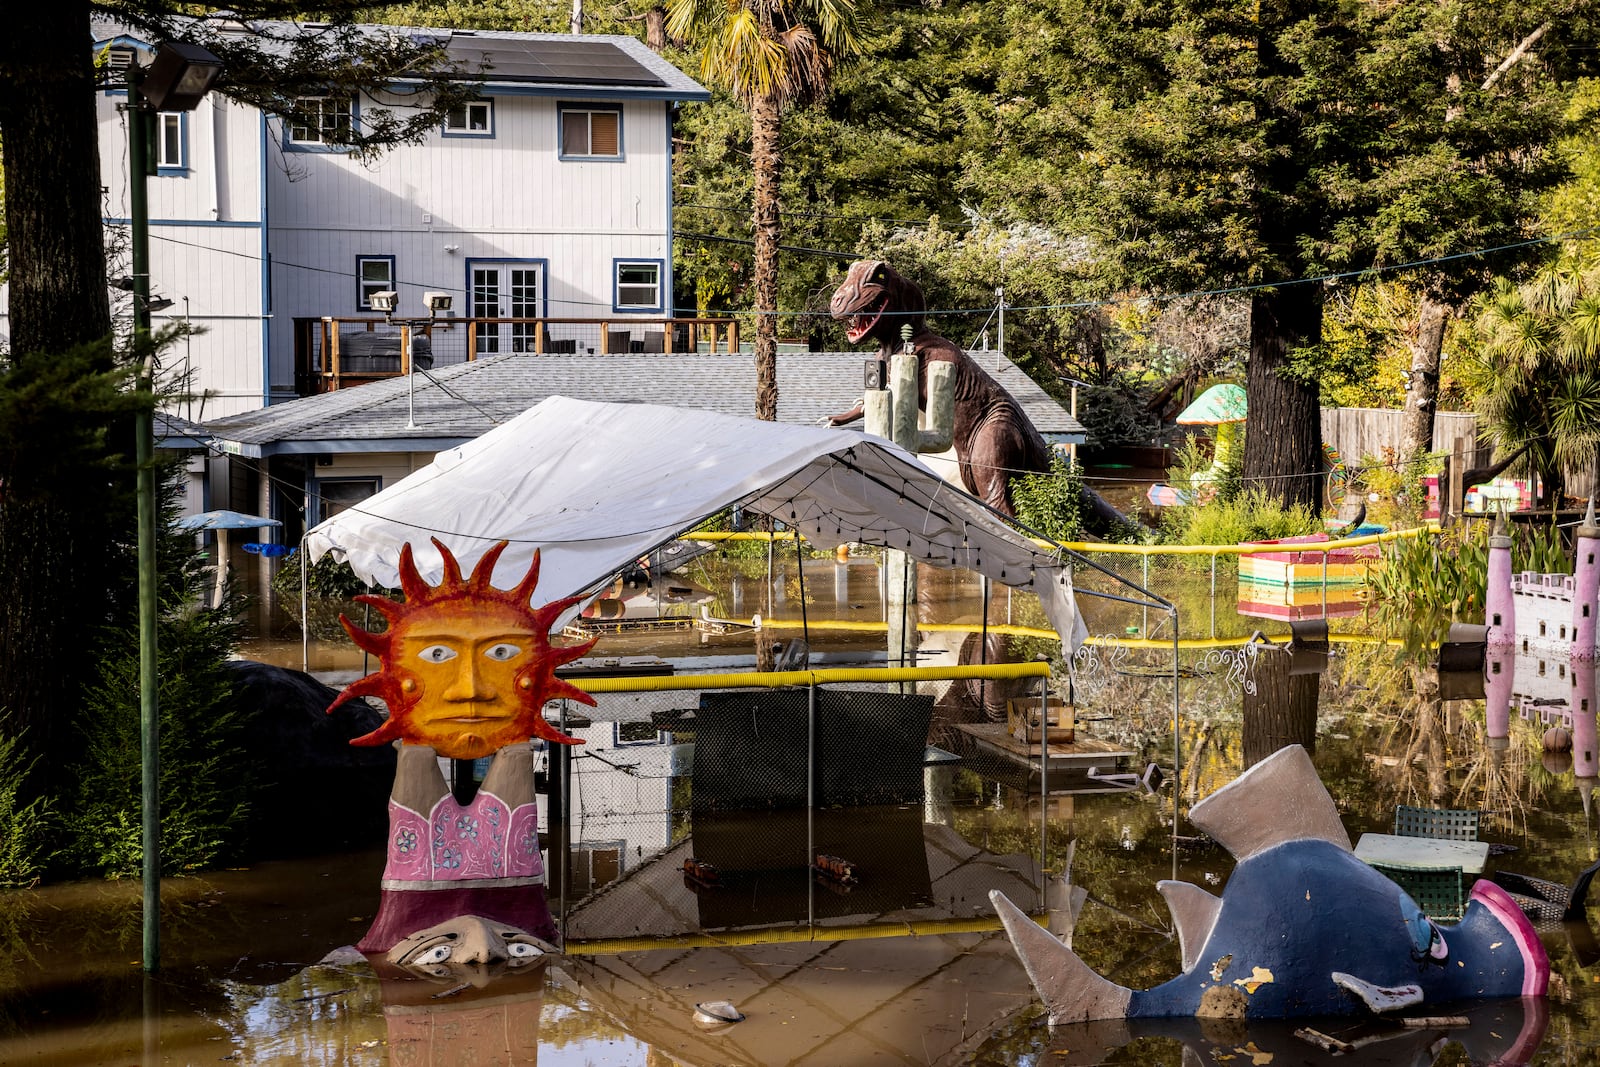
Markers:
<point>983,646</point>
<point>305,618</point>
<point>805,625</point>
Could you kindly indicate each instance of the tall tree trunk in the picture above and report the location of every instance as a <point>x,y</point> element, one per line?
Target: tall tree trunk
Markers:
<point>1422,399</point>
<point>55,535</point>
<point>52,179</point>
<point>1281,712</point>
<point>1283,437</point>
<point>764,157</point>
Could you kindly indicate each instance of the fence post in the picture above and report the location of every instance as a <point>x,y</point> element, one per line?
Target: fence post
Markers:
<point>1044,775</point>
<point>1458,472</point>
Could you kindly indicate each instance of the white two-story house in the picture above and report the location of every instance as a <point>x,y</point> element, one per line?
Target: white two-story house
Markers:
<point>549,196</point>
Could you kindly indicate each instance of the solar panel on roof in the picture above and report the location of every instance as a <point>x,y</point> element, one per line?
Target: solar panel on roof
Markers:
<point>563,62</point>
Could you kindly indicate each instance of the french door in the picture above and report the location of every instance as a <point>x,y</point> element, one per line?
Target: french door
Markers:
<point>506,291</point>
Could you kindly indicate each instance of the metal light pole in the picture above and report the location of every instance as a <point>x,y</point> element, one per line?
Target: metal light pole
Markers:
<point>178,78</point>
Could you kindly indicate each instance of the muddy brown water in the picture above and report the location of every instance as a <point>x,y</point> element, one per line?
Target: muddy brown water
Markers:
<point>897,968</point>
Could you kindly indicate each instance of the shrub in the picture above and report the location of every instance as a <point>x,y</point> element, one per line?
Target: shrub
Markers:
<point>204,770</point>
<point>22,826</point>
<point>1051,504</point>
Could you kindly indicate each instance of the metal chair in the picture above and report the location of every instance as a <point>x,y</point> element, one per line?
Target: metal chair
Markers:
<point>1450,824</point>
<point>1437,890</point>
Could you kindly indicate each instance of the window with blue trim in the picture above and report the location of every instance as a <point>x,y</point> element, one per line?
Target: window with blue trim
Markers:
<point>475,118</point>
<point>637,285</point>
<point>322,120</point>
<point>172,148</point>
<point>591,132</point>
<point>374,274</point>
<point>340,494</point>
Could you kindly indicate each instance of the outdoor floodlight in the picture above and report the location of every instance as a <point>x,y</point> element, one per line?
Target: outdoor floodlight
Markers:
<point>383,300</point>
<point>437,302</point>
<point>157,303</point>
<point>179,77</point>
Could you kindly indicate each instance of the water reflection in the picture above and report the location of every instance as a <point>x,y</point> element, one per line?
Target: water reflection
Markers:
<point>1505,1032</point>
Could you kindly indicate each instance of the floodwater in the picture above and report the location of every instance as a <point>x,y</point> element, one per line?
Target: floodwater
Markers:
<point>902,964</point>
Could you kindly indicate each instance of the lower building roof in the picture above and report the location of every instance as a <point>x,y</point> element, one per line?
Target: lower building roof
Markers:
<point>448,406</point>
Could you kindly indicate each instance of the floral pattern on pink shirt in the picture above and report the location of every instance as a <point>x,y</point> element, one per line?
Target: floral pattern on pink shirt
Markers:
<point>464,842</point>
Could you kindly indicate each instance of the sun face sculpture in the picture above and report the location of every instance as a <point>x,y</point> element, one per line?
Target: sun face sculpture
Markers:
<point>466,668</point>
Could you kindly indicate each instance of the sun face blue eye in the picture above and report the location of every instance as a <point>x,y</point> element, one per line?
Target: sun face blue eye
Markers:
<point>437,654</point>
<point>502,652</point>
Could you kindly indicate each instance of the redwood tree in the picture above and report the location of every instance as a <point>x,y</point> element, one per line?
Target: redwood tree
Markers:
<point>60,535</point>
<point>1225,144</point>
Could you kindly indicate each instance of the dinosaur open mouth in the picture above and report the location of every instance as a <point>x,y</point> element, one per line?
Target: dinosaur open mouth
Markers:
<point>862,322</point>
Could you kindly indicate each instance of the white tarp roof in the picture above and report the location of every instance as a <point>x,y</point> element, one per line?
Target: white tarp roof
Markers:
<point>596,486</point>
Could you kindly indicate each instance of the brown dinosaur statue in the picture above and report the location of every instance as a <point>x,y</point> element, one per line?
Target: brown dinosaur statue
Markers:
<point>993,438</point>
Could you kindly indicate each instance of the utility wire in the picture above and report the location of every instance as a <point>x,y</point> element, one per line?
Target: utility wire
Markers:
<point>1363,273</point>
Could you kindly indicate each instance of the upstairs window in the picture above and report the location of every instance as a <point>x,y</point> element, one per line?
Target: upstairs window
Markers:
<point>475,118</point>
<point>323,120</point>
<point>374,274</point>
<point>638,285</point>
<point>591,132</point>
<point>172,129</point>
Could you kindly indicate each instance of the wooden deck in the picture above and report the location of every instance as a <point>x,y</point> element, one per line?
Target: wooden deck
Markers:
<point>1074,758</point>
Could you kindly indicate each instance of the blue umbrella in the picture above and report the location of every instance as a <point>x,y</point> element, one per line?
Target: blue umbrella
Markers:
<point>222,522</point>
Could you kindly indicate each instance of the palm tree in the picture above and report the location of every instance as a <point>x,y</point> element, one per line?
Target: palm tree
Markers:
<point>771,55</point>
<point>1539,370</point>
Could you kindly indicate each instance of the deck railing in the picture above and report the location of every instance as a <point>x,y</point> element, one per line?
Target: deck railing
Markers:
<point>334,353</point>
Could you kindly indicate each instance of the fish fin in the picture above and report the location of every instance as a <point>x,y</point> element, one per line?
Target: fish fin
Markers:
<point>1378,998</point>
<point>1194,913</point>
<point>1279,799</point>
<point>1068,987</point>
<point>1064,900</point>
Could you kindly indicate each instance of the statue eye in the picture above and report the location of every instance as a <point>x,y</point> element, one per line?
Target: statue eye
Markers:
<point>522,948</point>
<point>437,654</point>
<point>436,954</point>
<point>502,652</point>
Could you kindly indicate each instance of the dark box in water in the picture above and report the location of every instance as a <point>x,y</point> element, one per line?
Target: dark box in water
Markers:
<point>750,749</point>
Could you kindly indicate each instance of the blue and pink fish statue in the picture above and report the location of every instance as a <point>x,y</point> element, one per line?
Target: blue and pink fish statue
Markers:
<point>1302,927</point>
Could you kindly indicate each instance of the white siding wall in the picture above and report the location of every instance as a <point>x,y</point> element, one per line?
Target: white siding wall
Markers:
<point>432,206</point>
<point>437,205</point>
<point>206,249</point>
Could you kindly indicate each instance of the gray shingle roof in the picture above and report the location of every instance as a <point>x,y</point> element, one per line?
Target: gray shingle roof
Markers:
<point>462,401</point>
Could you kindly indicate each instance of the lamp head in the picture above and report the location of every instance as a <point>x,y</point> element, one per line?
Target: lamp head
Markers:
<point>436,302</point>
<point>383,300</point>
<point>179,77</point>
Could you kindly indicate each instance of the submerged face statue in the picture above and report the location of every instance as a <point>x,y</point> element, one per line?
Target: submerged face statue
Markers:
<point>468,940</point>
<point>466,668</point>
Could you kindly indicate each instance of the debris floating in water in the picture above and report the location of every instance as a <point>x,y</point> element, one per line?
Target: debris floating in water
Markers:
<point>717,1013</point>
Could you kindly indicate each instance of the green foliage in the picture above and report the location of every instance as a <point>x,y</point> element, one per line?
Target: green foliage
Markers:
<point>1051,504</point>
<point>1247,516</point>
<point>328,579</point>
<point>1538,372</point>
<point>23,826</point>
<point>1426,583</point>
<point>204,770</point>
<point>65,519</point>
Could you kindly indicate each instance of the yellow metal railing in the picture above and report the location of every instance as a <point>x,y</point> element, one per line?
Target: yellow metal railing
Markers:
<point>1090,547</point>
<point>778,679</point>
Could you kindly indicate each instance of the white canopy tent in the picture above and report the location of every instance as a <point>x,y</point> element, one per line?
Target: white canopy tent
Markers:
<point>596,486</point>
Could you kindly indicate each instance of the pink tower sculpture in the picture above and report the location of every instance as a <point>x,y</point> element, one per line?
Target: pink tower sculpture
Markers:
<point>1497,682</point>
<point>1499,615</point>
<point>1585,744</point>
<point>1586,587</point>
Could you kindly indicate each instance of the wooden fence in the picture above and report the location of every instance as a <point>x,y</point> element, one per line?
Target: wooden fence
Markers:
<point>1358,432</point>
